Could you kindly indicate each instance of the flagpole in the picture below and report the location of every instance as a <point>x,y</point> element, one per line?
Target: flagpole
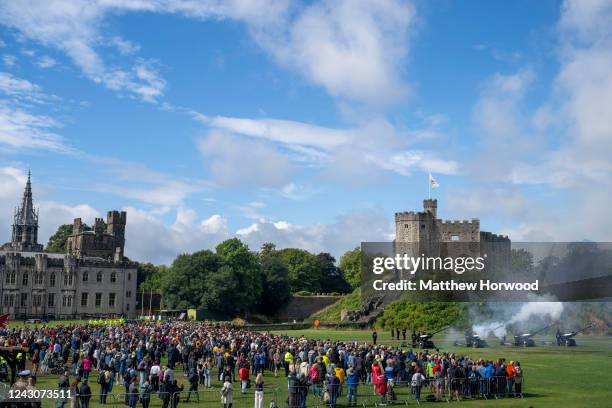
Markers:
<point>429,184</point>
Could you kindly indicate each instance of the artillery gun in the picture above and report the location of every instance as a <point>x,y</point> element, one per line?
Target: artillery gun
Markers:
<point>526,340</point>
<point>473,339</point>
<point>424,339</point>
<point>567,339</point>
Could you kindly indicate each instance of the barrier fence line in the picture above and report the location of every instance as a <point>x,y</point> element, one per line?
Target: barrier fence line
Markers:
<point>313,395</point>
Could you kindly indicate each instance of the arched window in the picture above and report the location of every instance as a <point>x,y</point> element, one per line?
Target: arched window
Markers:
<point>99,277</point>
<point>25,279</point>
<point>113,277</point>
<point>85,276</point>
<point>52,280</point>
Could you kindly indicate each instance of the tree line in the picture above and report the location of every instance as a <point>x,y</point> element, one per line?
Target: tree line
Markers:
<point>235,281</point>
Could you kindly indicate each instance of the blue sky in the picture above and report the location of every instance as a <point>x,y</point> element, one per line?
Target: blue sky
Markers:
<point>306,124</point>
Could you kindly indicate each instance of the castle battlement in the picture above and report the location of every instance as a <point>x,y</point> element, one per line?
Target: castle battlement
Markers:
<point>491,237</point>
<point>472,222</point>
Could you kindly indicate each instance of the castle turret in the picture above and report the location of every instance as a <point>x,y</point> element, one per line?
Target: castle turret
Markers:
<point>115,225</point>
<point>431,206</point>
<point>25,224</point>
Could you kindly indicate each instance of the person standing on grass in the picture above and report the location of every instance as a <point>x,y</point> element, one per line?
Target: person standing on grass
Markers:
<point>227,392</point>
<point>277,362</point>
<point>518,378</point>
<point>288,362</point>
<point>145,394</point>
<point>374,337</point>
<point>85,394</point>
<point>193,385</point>
<point>74,394</point>
<point>259,391</point>
<point>352,381</point>
<point>417,383</point>
<point>315,379</point>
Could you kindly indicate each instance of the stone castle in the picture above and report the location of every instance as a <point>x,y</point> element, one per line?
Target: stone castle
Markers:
<point>424,233</point>
<point>92,278</point>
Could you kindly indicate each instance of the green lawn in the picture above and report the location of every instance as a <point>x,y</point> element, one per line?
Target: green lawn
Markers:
<point>554,377</point>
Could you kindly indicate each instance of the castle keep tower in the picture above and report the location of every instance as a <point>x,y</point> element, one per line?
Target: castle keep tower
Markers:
<point>423,233</point>
<point>25,224</point>
<point>106,241</point>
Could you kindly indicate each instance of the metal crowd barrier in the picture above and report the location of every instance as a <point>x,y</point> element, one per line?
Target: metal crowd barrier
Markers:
<point>487,388</point>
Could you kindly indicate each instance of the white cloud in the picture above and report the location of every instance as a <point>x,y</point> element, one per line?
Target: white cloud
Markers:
<point>9,60</point>
<point>235,161</point>
<point>355,50</point>
<point>46,62</point>
<point>75,28</point>
<point>20,129</point>
<point>352,153</point>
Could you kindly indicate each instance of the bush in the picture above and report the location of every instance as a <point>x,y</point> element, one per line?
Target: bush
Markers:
<point>239,322</point>
<point>303,293</point>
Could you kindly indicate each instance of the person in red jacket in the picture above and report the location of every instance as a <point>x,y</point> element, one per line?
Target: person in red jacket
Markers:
<point>378,379</point>
<point>243,373</point>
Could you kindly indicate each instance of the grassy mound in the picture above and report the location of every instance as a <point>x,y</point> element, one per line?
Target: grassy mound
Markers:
<point>331,313</point>
<point>423,316</point>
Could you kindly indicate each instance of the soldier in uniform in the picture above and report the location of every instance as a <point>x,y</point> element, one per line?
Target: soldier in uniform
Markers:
<point>17,395</point>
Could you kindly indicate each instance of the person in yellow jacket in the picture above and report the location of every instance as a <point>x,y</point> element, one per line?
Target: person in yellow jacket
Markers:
<point>326,360</point>
<point>288,362</point>
<point>340,374</point>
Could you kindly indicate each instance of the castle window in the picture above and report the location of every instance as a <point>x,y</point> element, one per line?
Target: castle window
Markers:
<point>84,299</point>
<point>422,226</point>
<point>39,278</point>
<point>24,281</point>
<point>111,300</point>
<point>67,279</point>
<point>11,300</point>
<point>10,278</point>
<point>99,277</point>
<point>6,300</point>
<point>127,307</point>
<point>113,277</point>
<point>98,299</point>
<point>51,300</point>
<point>454,237</point>
<point>128,293</point>
<point>52,280</point>
<point>129,276</point>
<point>67,301</point>
<point>24,299</point>
<point>85,276</point>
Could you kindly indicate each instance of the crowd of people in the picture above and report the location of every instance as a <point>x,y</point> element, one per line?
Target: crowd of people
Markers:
<point>143,360</point>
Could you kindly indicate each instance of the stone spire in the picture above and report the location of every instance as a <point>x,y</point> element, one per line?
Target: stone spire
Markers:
<point>25,224</point>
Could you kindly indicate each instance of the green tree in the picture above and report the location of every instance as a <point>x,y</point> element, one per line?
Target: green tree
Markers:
<point>304,269</point>
<point>184,285</point>
<point>350,265</point>
<point>276,290</point>
<point>57,242</point>
<point>150,276</point>
<point>244,268</point>
<point>332,279</point>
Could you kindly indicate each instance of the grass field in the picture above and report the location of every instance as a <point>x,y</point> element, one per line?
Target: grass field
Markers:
<point>554,376</point>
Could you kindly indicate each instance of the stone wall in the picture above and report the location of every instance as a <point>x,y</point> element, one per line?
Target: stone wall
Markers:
<point>301,307</point>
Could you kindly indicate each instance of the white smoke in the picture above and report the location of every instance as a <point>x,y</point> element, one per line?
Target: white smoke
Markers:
<point>542,310</point>
<point>551,310</point>
<point>498,329</point>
